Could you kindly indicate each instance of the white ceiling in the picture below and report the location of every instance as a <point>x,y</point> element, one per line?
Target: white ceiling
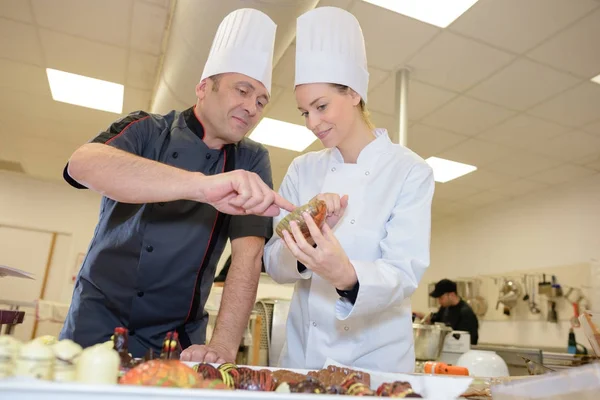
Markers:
<point>505,87</point>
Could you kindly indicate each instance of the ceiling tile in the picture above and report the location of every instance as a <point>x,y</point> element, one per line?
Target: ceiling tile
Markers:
<point>570,146</point>
<point>141,70</point>
<point>518,188</point>
<point>576,107</point>
<point>522,85</point>
<point>561,174</point>
<point>161,3</point>
<point>286,109</point>
<point>16,9</point>
<point>518,25</point>
<point>522,164</point>
<point>484,180</point>
<point>96,60</point>
<point>484,198</point>
<point>283,74</point>
<point>376,77</point>
<point>594,164</point>
<point>148,27</point>
<point>467,116</point>
<point>594,128</point>
<point>422,98</point>
<point>107,21</point>
<point>335,3</point>
<point>25,77</point>
<point>575,49</point>
<point>165,100</point>
<point>523,131</point>
<point>385,47</point>
<point>453,191</point>
<point>476,152</point>
<point>136,99</point>
<point>441,207</point>
<point>427,141</point>
<point>26,49</point>
<point>456,63</point>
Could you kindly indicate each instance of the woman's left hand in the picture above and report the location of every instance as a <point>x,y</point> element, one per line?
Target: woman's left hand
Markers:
<point>328,259</point>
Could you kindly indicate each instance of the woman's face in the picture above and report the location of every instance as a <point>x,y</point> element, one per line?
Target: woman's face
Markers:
<point>328,113</point>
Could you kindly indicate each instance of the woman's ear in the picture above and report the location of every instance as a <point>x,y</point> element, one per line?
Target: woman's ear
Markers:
<point>355,97</point>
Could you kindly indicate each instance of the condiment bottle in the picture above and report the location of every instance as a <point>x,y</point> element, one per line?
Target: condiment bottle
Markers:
<point>98,364</point>
<point>66,353</point>
<point>35,360</point>
<point>439,368</point>
<point>9,350</point>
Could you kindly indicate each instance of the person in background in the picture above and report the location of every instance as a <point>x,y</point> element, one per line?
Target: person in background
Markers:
<point>454,311</point>
<point>351,300</point>
<point>175,187</point>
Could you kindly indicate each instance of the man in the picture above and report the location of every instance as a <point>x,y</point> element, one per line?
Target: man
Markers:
<point>169,183</point>
<point>454,311</point>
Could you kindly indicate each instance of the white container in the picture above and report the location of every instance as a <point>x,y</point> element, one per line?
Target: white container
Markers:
<point>483,364</point>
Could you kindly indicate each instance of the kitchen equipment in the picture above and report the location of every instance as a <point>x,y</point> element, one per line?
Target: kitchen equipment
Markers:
<point>429,340</point>
<point>483,364</point>
<point>533,308</point>
<point>455,345</point>
<point>535,368</point>
<point>552,314</point>
<point>556,288</point>
<point>545,288</point>
<point>510,293</point>
<point>526,297</point>
<point>477,302</point>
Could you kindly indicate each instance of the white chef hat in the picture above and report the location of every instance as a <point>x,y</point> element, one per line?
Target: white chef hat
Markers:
<point>243,44</point>
<point>330,48</point>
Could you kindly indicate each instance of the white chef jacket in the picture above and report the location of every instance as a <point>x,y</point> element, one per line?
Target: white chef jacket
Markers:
<point>385,232</point>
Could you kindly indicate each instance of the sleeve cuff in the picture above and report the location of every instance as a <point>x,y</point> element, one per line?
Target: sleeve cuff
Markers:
<point>351,294</point>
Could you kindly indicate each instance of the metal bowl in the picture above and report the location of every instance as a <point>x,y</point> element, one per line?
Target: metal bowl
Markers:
<point>429,340</point>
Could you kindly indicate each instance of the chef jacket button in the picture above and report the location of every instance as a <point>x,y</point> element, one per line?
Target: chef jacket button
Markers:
<point>346,328</point>
<point>352,222</point>
<point>333,169</point>
<point>149,249</point>
<point>314,323</point>
<point>161,204</point>
<point>140,294</point>
<point>208,156</point>
<point>367,172</point>
<point>175,154</point>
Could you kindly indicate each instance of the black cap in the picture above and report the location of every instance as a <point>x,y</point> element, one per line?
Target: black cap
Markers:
<point>442,287</point>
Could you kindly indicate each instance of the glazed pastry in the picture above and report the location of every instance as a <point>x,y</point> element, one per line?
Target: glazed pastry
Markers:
<point>9,351</point>
<point>207,371</point>
<point>317,210</point>
<point>229,374</point>
<point>282,375</point>
<point>257,380</point>
<point>355,386</point>
<point>396,389</point>
<point>66,355</point>
<point>35,360</point>
<point>98,364</point>
<point>309,385</point>
<point>335,389</point>
<point>167,373</point>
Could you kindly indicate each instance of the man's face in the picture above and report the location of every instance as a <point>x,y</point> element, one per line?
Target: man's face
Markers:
<point>444,300</point>
<point>231,104</point>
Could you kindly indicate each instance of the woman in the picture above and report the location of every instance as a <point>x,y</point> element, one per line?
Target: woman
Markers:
<point>351,298</point>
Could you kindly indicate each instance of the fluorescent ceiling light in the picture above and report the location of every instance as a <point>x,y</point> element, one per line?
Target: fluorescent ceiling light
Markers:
<point>446,170</point>
<point>596,79</point>
<point>86,92</point>
<point>435,12</point>
<point>273,132</point>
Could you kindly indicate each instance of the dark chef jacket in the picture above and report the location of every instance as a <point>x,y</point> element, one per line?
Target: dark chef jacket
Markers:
<point>460,318</point>
<point>150,267</point>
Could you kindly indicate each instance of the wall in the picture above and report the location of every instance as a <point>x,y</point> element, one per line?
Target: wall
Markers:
<point>30,205</point>
<point>553,228</point>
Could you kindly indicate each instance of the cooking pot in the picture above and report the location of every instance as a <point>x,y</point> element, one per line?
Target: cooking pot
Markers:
<point>429,340</point>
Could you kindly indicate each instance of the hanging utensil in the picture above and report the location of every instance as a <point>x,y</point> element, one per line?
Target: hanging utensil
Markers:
<point>552,314</point>
<point>545,288</point>
<point>532,305</point>
<point>526,286</point>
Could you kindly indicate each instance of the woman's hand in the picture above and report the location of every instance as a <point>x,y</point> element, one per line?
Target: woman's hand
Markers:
<point>335,207</point>
<point>328,259</point>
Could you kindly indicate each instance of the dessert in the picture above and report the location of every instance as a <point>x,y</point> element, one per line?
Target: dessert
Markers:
<point>35,360</point>
<point>9,350</point>
<point>98,364</point>
<point>66,354</point>
<point>169,373</point>
<point>396,389</point>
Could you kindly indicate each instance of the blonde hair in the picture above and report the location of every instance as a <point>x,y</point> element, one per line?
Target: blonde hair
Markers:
<point>364,112</point>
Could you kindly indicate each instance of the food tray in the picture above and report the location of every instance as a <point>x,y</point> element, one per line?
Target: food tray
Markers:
<point>429,386</point>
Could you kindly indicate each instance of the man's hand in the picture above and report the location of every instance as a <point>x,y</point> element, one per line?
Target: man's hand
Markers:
<point>207,353</point>
<point>241,192</point>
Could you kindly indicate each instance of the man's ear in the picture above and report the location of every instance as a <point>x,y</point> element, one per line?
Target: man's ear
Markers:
<point>201,89</point>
